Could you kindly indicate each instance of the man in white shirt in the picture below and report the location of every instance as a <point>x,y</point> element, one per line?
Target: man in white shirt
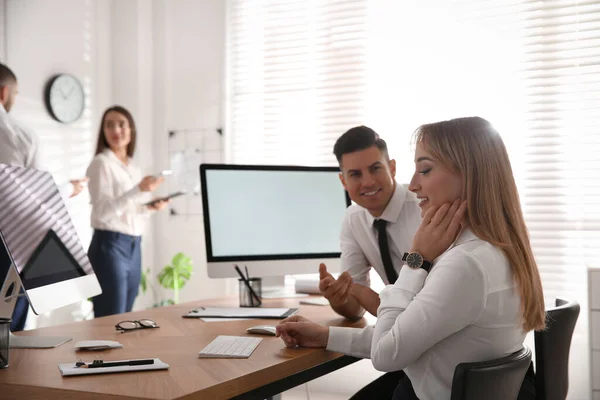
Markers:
<point>19,147</point>
<point>376,232</point>
<point>382,206</point>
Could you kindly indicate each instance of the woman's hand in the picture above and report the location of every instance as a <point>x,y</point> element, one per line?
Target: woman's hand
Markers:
<point>439,228</point>
<point>299,331</point>
<point>158,205</point>
<point>79,185</point>
<point>150,183</point>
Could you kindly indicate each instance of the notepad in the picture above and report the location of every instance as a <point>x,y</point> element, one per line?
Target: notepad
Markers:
<point>241,312</point>
<point>69,369</point>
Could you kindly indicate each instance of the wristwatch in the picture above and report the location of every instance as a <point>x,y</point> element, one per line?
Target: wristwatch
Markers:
<point>416,261</point>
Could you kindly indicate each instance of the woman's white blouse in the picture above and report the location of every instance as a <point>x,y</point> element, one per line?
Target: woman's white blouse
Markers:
<point>466,309</point>
<point>116,198</point>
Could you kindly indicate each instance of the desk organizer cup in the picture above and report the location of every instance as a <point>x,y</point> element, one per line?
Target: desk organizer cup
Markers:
<point>4,337</point>
<point>246,297</point>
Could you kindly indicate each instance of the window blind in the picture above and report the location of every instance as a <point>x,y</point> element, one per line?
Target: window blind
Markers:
<point>561,191</point>
<point>533,69</point>
<point>296,78</point>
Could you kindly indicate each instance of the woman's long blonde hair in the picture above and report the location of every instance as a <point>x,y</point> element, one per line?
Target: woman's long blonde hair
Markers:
<point>472,147</point>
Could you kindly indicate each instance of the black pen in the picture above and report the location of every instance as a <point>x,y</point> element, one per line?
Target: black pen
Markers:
<point>247,274</point>
<point>119,363</point>
<point>247,282</point>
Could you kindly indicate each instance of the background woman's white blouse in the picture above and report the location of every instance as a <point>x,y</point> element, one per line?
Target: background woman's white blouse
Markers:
<point>116,198</point>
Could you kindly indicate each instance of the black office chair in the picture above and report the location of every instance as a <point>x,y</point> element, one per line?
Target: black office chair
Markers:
<point>552,347</point>
<point>498,379</point>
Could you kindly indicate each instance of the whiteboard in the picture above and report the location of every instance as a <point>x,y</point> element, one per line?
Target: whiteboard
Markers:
<point>188,148</point>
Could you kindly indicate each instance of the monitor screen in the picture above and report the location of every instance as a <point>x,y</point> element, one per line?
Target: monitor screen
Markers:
<point>272,212</point>
<point>50,263</point>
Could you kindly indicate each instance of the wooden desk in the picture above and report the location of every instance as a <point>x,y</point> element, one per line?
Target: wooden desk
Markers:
<point>33,373</point>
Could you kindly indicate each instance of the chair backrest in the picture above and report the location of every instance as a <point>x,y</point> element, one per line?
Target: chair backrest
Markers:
<point>498,379</point>
<point>552,347</point>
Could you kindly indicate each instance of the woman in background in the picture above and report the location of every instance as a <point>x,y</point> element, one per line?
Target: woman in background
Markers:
<point>118,195</point>
<point>478,291</point>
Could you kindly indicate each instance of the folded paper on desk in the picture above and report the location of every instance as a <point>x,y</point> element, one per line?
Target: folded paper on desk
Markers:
<point>315,301</point>
<point>69,369</point>
<point>310,286</point>
<point>241,312</point>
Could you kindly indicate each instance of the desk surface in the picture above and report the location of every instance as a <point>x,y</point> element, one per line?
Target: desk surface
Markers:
<point>33,373</point>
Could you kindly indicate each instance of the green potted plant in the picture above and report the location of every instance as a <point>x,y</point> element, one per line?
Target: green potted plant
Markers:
<point>173,276</point>
<point>176,275</point>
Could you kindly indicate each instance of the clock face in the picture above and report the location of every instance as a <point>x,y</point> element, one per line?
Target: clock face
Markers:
<point>65,98</point>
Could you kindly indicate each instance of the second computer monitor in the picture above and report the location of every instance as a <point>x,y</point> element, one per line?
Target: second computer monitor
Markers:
<point>277,220</point>
<point>40,243</point>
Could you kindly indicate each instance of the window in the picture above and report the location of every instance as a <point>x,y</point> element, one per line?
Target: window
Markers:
<point>296,78</point>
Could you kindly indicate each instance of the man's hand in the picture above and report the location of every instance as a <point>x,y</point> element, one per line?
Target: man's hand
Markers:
<point>299,331</point>
<point>366,297</point>
<point>439,228</point>
<point>336,291</point>
<point>78,185</point>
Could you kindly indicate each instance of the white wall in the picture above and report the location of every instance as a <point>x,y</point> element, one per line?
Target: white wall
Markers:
<point>2,31</point>
<point>189,53</point>
<point>167,68</point>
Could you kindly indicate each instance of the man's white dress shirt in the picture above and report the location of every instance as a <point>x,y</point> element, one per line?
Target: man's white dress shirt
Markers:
<point>19,147</point>
<point>116,197</point>
<point>358,238</point>
<point>466,309</point>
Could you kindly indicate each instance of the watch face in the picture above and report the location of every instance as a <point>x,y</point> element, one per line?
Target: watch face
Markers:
<point>414,260</point>
<point>65,98</point>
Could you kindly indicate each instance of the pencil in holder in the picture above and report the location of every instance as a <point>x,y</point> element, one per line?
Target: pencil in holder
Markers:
<point>247,299</point>
<point>4,338</point>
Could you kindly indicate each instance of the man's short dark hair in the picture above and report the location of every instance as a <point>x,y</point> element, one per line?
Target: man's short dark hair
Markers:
<point>356,139</point>
<point>7,77</point>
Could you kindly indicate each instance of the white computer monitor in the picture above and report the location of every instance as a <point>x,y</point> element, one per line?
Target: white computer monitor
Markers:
<point>40,249</point>
<point>276,220</point>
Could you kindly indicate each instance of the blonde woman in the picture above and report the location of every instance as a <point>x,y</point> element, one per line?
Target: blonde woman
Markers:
<point>470,289</point>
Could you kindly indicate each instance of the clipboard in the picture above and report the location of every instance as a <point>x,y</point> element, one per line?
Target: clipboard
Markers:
<point>172,195</point>
<point>241,312</point>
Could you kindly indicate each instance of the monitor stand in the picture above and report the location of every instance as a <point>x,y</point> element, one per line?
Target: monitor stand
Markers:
<point>273,287</point>
<point>8,300</point>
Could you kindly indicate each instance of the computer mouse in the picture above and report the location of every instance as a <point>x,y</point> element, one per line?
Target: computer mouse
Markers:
<point>262,330</point>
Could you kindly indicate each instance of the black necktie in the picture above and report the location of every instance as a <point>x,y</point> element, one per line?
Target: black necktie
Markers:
<point>384,249</point>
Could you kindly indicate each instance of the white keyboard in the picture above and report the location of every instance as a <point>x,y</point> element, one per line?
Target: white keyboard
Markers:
<point>230,347</point>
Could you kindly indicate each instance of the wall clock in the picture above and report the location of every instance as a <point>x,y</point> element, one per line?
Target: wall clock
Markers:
<point>65,98</point>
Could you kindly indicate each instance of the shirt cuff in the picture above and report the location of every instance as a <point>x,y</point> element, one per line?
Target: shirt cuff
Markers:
<point>135,190</point>
<point>340,339</point>
<point>409,283</point>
